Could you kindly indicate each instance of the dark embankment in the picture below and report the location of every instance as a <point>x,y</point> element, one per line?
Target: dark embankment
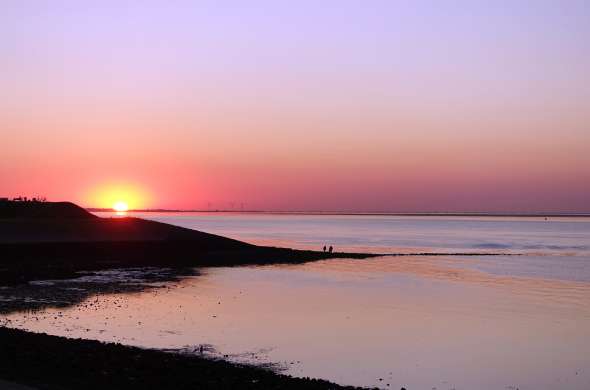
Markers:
<point>11,209</point>
<point>50,362</point>
<point>56,240</point>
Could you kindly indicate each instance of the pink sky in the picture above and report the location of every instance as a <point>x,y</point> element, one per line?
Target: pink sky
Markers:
<point>383,108</point>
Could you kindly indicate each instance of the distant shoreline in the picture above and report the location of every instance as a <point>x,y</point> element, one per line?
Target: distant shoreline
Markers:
<point>346,213</point>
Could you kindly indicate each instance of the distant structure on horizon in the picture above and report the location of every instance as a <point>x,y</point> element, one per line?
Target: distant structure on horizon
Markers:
<point>24,199</point>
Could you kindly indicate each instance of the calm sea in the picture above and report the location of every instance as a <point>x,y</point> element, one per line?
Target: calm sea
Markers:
<point>423,322</point>
<point>556,248</point>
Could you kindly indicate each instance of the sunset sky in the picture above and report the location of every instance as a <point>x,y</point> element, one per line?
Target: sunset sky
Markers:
<point>303,105</point>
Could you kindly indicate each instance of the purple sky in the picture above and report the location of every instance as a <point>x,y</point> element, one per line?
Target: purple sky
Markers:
<point>356,106</point>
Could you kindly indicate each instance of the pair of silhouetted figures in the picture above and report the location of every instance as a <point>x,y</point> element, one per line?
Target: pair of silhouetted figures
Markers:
<point>330,249</point>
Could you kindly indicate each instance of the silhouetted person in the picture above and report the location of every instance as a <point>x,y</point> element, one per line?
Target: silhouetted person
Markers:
<point>324,248</point>
<point>330,249</point>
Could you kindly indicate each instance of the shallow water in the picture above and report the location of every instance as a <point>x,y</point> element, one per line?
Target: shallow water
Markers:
<point>556,248</point>
<point>421,322</point>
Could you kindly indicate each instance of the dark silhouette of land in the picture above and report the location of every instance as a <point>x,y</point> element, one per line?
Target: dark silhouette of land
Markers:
<point>36,209</point>
<point>45,240</point>
<point>56,240</point>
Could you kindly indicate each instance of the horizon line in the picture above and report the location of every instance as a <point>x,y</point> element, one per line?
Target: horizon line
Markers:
<point>360,213</point>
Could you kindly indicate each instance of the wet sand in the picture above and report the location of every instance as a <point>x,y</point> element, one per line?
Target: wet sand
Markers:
<point>50,362</point>
<point>413,322</point>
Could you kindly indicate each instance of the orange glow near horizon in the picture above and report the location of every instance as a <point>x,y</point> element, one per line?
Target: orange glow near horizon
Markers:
<point>120,198</point>
<point>120,206</point>
<point>389,108</point>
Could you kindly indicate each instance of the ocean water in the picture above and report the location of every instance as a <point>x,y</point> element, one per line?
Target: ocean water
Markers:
<point>517,320</point>
<point>556,248</point>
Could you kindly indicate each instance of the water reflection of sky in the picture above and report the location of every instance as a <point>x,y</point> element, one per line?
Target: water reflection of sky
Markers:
<point>420,322</point>
<point>411,321</point>
<point>557,248</point>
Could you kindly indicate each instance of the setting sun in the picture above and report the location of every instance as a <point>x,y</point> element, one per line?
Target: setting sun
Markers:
<point>119,197</point>
<point>120,206</point>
